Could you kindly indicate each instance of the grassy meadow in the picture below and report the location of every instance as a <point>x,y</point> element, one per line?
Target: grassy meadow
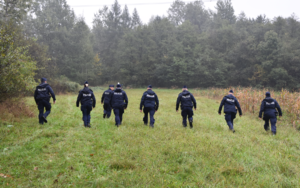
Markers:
<point>63,153</point>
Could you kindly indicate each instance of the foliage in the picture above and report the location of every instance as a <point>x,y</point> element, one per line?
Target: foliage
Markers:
<point>16,67</point>
<point>198,47</point>
<point>63,85</point>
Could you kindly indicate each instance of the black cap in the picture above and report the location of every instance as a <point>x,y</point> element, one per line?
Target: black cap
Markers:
<point>149,86</point>
<point>231,91</point>
<point>118,85</point>
<point>111,86</point>
<point>43,80</point>
<point>268,94</point>
<point>184,87</point>
<point>86,82</point>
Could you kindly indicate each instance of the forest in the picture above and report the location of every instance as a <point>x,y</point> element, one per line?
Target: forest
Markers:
<point>191,46</point>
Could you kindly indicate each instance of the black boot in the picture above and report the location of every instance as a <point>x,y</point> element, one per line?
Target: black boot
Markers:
<point>184,125</point>
<point>191,125</point>
<point>274,133</point>
<point>45,120</point>
<point>104,115</point>
<point>89,125</point>
<point>151,125</point>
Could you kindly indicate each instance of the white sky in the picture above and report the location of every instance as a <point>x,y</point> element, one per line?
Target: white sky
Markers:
<point>252,8</point>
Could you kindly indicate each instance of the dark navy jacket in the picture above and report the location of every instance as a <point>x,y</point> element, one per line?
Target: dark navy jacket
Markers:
<point>149,99</point>
<point>42,92</point>
<point>230,102</point>
<point>86,97</point>
<point>186,99</point>
<point>106,97</point>
<point>118,98</point>
<point>268,106</point>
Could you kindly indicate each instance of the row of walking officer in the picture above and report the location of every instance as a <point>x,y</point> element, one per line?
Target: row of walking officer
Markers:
<point>117,100</point>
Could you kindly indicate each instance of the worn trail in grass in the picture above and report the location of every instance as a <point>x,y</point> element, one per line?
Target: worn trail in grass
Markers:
<point>63,153</point>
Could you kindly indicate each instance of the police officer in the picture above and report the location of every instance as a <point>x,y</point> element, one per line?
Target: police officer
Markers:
<point>106,99</point>
<point>150,102</point>
<point>119,102</point>
<point>42,98</point>
<point>230,102</point>
<point>268,106</point>
<point>187,101</point>
<point>88,102</point>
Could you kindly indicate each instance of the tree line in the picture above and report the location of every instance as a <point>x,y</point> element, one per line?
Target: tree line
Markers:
<point>191,46</point>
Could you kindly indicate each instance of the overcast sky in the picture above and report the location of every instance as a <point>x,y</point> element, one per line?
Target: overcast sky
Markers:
<point>252,8</point>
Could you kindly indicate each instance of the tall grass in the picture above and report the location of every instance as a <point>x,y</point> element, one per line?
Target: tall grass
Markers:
<point>251,98</point>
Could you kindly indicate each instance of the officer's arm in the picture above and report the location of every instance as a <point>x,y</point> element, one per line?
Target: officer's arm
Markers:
<point>262,108</point>
<point>194,101</point>
<point>157,102</point>
<point>237,104</point>
<point>142,102</point>
<point>102,98</point>
<point>126,99</point>
<point>94,100</point>
<point>78,98</point>
<point>221,105</point>
<point>52,94</point>
<point>178,101</point>
<point>278,108</point>
<point>35,95</point>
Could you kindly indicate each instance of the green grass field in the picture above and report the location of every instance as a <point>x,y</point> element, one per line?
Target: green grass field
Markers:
<point>63,153</point>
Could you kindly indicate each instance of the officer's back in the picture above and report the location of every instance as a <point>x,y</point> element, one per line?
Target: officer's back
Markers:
<point>150,98</point>
<point>43,92</point>
<point>230,102</point>
<point>118,98</point>
<point>86,97</point>
<point>106,97</point>
<point>269,106</point>
<point>186,99</point>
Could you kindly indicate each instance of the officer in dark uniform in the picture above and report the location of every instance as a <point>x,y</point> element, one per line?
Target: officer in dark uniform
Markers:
<point>88,102</point>
<point>42,95</point>
<point>119,102</point>
<point>106,99</point>
<point>230,102</point>
<point>150,102</point>
<point>187,101</point>
<point>268,106</point>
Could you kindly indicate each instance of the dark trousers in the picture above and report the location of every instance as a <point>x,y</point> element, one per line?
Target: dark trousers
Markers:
<point>187,112</point>
<point>107,109</point>
<point>42,105</point>
<point>118,111</point>
<point>86,113</point>
<point>229,117</point>
<point>151,111</point>
<point>273,121</point>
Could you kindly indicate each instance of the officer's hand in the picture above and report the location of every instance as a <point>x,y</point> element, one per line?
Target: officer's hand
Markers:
<point>140,110</point>
<point>155,110</point>
<point>102,103</point>
<point>195,108</point>
<point>54,102</point>
<point>260,118</point>
<point>176,110</point>
<point>280,116</point>
<point>240,115</point>
<point>219,113</point>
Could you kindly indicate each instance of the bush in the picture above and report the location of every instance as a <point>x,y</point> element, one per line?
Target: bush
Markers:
<point>64,85</point>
